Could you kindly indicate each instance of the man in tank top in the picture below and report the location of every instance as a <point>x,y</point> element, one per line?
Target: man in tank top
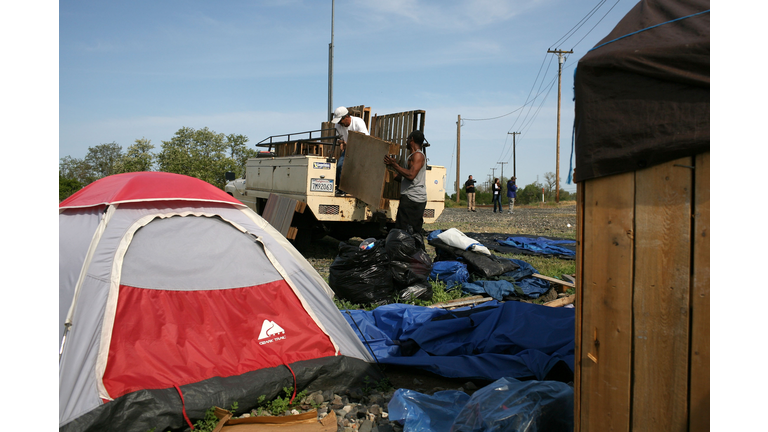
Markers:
<point>413,188</point>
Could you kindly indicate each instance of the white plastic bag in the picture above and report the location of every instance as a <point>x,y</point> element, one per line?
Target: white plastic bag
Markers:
<point>457,239</point>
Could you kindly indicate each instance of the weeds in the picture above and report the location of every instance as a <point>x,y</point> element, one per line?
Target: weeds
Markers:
<point>383,385</point>
<point>209,422</point>
<point>280,404</point>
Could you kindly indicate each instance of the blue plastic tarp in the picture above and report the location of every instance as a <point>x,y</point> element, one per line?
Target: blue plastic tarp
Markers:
<point>498,289</point>
<point>540,245</point>
<point>512,339</point>
<point>450,272</point>
<point>505,405</point>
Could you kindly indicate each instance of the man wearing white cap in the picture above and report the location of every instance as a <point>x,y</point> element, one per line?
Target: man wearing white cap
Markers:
<point>344,123</point>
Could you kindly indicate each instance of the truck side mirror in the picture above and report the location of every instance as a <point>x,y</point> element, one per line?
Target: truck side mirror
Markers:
<point>229,176</point>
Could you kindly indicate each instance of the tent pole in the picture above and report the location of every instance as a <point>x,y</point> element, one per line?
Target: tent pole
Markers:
<point>64,339</point>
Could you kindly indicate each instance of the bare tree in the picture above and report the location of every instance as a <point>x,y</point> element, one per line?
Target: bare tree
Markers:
<point>550,183</point>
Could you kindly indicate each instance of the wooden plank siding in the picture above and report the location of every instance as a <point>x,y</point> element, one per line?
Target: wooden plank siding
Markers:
<point>395,128</point>
<point>606,320</point>
<point>642,300</point>
<point>661,296</point>
<point>579,301</point>
<point>698,410</point>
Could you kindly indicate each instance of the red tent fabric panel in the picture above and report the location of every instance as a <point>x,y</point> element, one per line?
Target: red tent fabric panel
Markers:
<point>146,186</point>
<point>166,338</point>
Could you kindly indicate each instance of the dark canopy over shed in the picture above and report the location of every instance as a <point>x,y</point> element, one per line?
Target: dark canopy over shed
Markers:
<point>642,93</point>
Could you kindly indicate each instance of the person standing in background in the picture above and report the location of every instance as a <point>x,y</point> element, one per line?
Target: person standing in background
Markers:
<point>511,193</point>
<point>496,194</point>
<point>469,185</point>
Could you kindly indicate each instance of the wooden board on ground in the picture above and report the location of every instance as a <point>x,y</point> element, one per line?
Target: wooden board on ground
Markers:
<point>555,280</point>
<point>466,301</point>
<point>562,301</point>
<point>363,172</point>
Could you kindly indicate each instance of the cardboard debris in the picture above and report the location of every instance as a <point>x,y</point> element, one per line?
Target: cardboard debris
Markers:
<point>305,422</point>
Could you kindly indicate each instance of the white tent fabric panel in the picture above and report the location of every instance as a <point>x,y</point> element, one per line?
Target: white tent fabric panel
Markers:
<point>199,252</point>
<point>77,391</point>
<point>76,228</point>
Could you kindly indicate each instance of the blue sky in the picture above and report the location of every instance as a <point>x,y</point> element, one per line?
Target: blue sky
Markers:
<point>145,69</point>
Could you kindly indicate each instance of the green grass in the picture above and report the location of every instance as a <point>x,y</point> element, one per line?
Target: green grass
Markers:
<point>552,267</point>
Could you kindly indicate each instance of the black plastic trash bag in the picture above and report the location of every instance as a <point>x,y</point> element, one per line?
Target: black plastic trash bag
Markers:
<point>402,244</point>
<point>421,291</point>
<point>478,264</point>
<point>409,262</point>
<point>362,276</point>
<point>415,270</point>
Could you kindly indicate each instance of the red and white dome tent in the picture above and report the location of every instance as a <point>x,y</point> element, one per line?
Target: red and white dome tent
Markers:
<point>174,297</point>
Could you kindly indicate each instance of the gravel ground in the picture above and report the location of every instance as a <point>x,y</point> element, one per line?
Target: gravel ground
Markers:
<point>548,221</point>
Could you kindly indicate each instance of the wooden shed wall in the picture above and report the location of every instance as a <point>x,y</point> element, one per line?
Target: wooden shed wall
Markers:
<point>642,308</point>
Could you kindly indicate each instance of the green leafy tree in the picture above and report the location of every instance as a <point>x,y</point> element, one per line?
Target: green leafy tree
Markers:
<point>239,152</point>
<point>105,159</point>
<point>203,154</point>
<point>68,186</point>
<point>529,194</point>
<point>139,156</point>
<point>76,169</point>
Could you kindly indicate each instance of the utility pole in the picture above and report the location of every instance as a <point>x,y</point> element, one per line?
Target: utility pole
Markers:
<point>330,68</point>
<point>458,158</point>
<point>493,171</point>
<point>502,169</point>
<point>560,61</point>
<point>514,165</point>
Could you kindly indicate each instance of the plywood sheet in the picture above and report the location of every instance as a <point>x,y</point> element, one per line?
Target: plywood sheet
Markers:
<point>606,304</point>
<point>364,172</point>
<point>699,398</point>
<point>661,296</point>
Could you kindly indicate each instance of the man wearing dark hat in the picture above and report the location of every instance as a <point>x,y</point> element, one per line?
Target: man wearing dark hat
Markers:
<point>469,185</point>
<point>344,123</point>
<point>413,186</point>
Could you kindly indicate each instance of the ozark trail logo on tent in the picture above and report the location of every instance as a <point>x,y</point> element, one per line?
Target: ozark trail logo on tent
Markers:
<point>270,329</point>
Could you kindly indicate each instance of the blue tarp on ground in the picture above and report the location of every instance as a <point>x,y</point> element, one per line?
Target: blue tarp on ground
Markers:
<point>450,272</point>
<point>498,289</point>
<point>512,339</point>
<point>540,245</point>
<point>505,405</point>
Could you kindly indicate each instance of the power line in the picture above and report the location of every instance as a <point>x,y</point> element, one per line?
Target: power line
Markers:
<point>578,25</point>
<point>598,22</point>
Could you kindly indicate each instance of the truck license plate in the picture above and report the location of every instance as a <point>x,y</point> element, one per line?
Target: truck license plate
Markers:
<point>321,185</point>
